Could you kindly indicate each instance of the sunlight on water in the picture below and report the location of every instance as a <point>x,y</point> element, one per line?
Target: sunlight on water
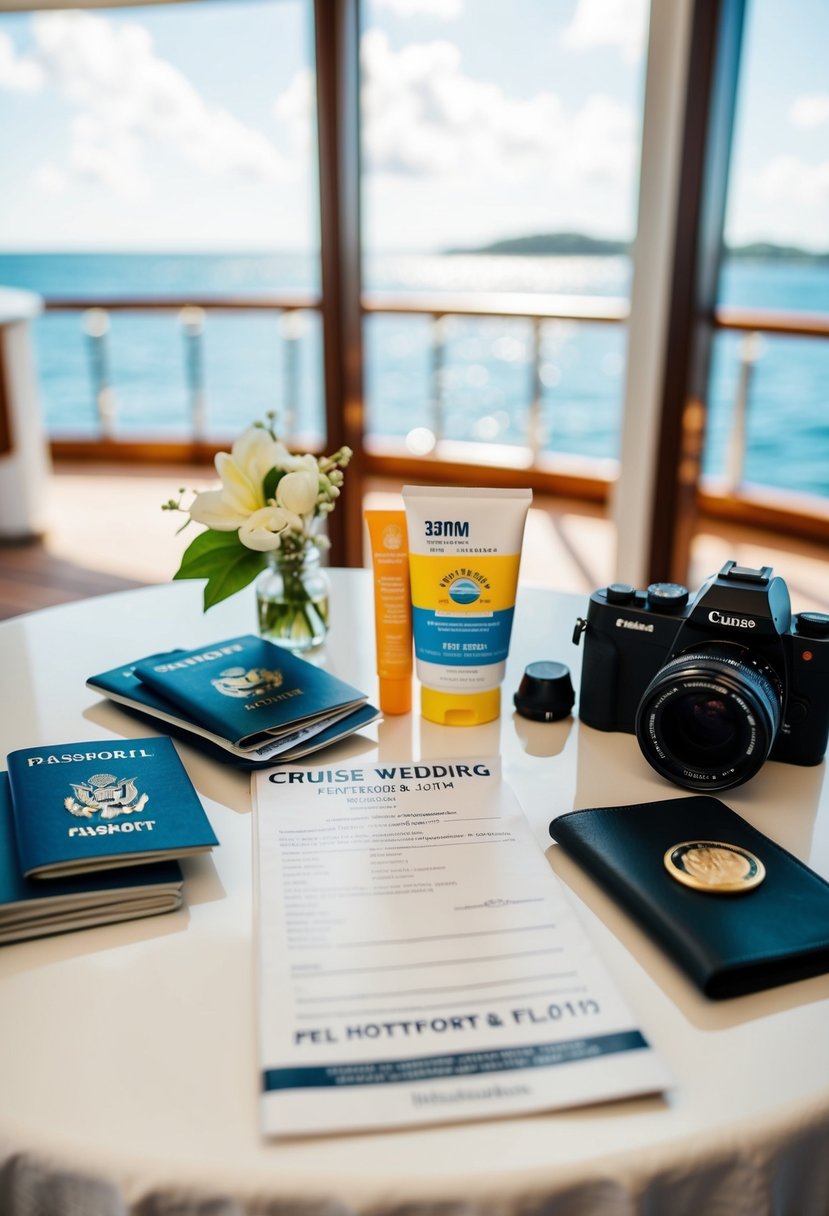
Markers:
<point>479,272</point>
<point>251,363</point>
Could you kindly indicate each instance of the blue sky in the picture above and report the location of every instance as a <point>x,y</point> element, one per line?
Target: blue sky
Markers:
<point>191,127</point>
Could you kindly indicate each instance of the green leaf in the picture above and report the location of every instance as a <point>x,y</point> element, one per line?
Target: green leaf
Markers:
<point>200,556</point>
<point>271,481</point>
<point>224,561</point>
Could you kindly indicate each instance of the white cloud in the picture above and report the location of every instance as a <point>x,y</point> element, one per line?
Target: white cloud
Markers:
<point>810,110</point>
<point>108,154</point>
<point>18,73</point>
<point>787,180</point>
<point>295,108</point>
<point>448,10</point>
<point>621,23</point>
<point>130,99</point>
<point>603,137</point>
<point>424,117</point>
<point>50,180</point>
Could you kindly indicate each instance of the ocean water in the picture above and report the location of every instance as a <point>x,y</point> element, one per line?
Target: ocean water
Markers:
<point>253,363</point>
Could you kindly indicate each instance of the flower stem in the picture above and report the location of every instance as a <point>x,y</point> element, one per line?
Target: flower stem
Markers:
<point>289,614</point>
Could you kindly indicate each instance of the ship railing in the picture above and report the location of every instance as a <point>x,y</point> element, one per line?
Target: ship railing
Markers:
<point>754,324</point>
<point>191,315</point>
<point>729,496</point>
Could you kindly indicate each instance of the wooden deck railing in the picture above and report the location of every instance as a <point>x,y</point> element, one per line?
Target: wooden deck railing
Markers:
<point>543,469</point>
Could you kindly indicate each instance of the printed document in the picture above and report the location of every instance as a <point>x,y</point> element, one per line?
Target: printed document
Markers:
<point>418,959</point>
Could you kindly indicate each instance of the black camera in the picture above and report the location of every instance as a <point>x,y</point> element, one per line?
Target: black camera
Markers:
<point>713,687</point>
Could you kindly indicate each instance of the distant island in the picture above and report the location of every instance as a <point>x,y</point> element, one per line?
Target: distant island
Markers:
<point>573,243</point>
<point>780,253</point>
<point>578,244</point>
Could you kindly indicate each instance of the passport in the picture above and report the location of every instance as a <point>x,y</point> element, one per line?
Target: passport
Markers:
<point>32,908</point>
<point>246,690</point>
<point>122,686</point>
<point>79,807</point>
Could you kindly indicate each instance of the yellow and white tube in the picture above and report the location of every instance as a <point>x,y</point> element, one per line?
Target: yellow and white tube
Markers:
<point>464,557</point>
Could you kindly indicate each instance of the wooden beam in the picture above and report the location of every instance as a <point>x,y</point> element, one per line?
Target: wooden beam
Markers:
<point>337,41</point>
<point>710,99</point>
<point>693,58</point>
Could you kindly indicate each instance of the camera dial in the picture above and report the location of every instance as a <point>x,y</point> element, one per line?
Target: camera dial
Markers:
<point>710,716</point>
<point>667,597</point>
<point>813,624</point>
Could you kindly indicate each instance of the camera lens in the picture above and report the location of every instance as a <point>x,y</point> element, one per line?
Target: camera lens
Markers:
<point>709,717</point>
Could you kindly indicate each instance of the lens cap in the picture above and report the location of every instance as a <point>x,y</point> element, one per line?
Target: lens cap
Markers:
<point>545,693</point>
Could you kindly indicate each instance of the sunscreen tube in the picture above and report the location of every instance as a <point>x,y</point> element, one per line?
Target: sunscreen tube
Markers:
<point>392,608</point>
<point>464,554</point>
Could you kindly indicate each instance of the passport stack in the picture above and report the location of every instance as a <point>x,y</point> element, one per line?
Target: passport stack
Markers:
<point>90,833</point>
<point>243,700</point>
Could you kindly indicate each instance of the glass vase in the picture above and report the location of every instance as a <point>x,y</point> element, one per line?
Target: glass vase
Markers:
<point>292,599</point>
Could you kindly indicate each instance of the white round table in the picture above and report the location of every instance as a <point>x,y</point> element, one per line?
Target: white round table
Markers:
<point>128,1066</point>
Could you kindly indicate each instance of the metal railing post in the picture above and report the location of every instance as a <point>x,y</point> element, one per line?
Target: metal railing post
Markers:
<point>438,350</point>
<point>291,329</point>
<point>192,321</point>
<point>535,437</point>
<point>96,327</point>
<point>750,351</point>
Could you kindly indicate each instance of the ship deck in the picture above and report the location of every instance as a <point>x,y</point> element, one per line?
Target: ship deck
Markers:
<point>106,532</point>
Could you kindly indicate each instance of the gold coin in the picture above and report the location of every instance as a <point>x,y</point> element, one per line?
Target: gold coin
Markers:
<point>714,866</point>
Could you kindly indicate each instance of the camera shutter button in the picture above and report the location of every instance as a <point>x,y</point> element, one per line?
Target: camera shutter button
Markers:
<point>813,624</point>
<point>669,597</point>
<point>620,593</point>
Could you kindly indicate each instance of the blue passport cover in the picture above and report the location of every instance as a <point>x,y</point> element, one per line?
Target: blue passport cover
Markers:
<point>30,908</point>
<point>121,685</point>
<point>246,689</point>
<point>99,804</point>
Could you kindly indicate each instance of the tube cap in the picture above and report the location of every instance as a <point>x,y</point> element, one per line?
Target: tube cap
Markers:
<point>460,709</point>
<point>395,695</point>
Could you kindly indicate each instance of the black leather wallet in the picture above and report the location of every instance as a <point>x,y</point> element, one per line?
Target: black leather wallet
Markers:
<point>728,943</point>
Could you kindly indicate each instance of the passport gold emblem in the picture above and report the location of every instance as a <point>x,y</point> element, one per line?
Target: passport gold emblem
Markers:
<point>236,682</point>
<point>714,866</point>
<point>105,795</point>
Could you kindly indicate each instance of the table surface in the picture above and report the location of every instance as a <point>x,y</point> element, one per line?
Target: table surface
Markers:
<point>128,1057</point>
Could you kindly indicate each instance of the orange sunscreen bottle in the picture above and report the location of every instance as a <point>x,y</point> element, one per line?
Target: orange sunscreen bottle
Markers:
<point>392,608</point>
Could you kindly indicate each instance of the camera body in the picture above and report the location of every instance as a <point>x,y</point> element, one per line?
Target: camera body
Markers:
<point>711,687</point>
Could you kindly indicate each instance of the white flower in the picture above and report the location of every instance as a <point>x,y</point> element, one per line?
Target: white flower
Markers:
<point>263,528</point>
<point>212,508</point>
<point>242,471</point>
<point>271,498</point>
<point>256,452</point>
<point>297,491</point>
